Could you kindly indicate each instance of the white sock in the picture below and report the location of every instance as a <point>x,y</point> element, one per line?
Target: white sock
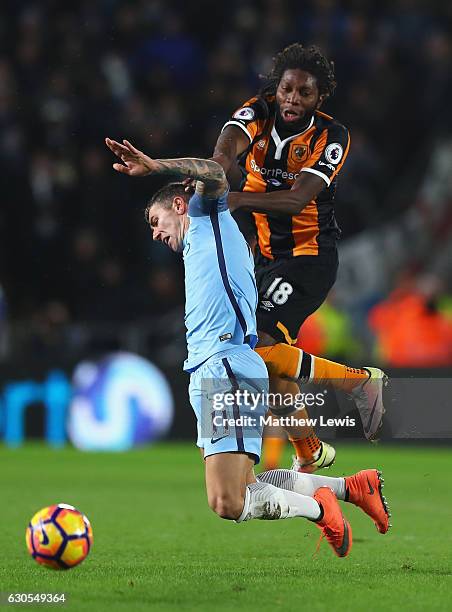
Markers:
<point>267,502</point>
<point>305,484</point>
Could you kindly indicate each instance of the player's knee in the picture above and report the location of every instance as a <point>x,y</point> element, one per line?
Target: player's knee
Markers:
<point>266,353</point>
<point>227,506</point>
<point>281,359</point>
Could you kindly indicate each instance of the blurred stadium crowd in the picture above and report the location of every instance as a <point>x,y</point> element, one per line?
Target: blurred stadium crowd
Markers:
<point>76,257</point>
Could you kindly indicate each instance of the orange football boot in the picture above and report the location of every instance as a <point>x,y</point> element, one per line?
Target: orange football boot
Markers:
<point>335,528</point>
<point>364,490</point>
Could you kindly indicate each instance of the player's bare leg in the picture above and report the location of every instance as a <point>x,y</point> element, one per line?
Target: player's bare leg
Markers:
<point>234,493</point>
<point>227,475</point>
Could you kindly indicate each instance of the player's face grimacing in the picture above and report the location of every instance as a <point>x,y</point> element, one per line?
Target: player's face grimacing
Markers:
<point>168,225</point>
<point>297,97</point>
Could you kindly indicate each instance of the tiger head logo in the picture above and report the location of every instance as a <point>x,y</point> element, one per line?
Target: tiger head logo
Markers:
<point>299,152</point>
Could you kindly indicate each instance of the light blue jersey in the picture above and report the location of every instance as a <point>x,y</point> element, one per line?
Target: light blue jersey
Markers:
<point>220,288</point>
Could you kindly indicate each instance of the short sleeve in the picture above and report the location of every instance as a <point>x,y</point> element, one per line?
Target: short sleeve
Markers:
<point>246,118</point>
<point>202,206</point>
<point>330,153</point>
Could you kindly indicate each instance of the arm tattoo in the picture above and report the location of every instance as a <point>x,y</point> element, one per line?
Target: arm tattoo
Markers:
<point>207,171</point>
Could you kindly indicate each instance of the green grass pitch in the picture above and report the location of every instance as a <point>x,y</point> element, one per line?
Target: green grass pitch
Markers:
<point>157,546</point>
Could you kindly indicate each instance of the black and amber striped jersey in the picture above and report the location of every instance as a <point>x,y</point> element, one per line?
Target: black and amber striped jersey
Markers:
<point>273,163</point>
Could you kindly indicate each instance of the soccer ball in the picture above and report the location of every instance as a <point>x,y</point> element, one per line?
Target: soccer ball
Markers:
<point>59,536</point>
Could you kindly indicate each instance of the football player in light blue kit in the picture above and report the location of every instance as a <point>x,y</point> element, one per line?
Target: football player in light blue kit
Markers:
<point>221,299</point>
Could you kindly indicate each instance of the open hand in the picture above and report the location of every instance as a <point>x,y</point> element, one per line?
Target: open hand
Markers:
<point>135,162</point>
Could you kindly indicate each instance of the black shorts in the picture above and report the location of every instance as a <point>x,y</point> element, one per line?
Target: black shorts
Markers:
<point>290,290</point>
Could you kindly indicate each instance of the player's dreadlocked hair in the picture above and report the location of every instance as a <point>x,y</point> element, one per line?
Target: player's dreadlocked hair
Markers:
<point>165,195</point>
<point>310,59</point>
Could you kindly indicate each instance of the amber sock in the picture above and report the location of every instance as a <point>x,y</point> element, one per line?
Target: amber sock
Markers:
<point>272,451</point>
<point>339,376</point>
<point>305,451</point>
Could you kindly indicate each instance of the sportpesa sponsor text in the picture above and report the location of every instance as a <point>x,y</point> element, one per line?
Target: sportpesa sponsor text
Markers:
<point>273,172</point>
<point>278,173</point>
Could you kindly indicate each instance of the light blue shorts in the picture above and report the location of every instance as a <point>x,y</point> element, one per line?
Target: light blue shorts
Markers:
<point>228,394</point>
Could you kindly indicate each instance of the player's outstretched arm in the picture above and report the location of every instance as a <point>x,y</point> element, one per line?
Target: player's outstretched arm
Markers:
<point>136,163</point>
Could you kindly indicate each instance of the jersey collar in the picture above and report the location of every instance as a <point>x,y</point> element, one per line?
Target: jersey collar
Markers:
<point>280,144</point>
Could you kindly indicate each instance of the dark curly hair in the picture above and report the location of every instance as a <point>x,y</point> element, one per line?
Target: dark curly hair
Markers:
<point>310,59</point>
